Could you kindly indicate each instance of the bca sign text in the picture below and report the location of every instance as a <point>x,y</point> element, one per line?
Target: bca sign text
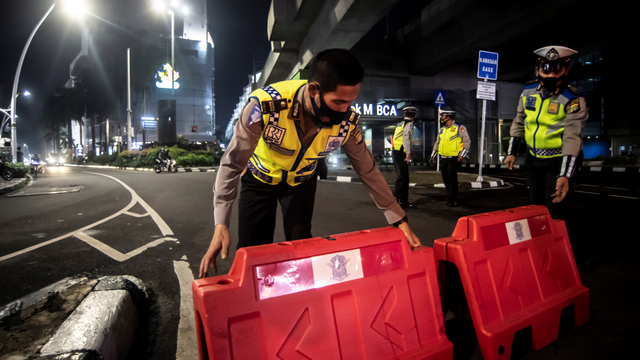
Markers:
<point>381,110</point>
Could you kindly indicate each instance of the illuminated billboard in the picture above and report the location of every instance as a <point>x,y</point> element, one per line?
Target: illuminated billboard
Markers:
<point>164,77</point>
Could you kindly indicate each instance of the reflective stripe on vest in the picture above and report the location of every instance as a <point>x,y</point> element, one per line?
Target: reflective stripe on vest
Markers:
<point>544,121</point>
<point>280,156</point>
<point>450,141</point>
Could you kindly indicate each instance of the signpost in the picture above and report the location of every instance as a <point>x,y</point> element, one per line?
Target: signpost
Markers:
<point>487,70</point>
<point>440,100</point>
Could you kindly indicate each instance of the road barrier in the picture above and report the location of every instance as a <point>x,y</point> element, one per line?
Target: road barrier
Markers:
<point>361,295</point>
<point>518,271</point>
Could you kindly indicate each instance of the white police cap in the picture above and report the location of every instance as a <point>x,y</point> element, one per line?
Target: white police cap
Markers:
<point>554,52</point>
<point>410,109</point>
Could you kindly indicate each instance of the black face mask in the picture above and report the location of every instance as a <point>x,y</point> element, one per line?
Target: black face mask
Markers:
<point>553,83</point>
<point>335,117</point>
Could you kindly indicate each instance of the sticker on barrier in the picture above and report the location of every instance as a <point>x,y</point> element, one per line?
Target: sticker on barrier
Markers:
<point>518,272</point>
<point>361,295</point>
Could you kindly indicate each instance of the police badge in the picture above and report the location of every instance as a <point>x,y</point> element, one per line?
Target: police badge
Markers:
<point>518,228</point>
<point>339,266</point>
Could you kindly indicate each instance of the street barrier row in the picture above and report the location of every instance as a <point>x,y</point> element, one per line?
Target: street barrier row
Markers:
<point>368,295</point>
<point>518,271</point>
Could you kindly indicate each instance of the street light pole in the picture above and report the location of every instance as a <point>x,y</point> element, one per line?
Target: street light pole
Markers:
<point>14,140</point>
<point>129,147</point>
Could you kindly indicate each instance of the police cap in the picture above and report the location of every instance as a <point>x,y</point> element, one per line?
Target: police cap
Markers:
<point>410,111</point>
<point>553,58</point>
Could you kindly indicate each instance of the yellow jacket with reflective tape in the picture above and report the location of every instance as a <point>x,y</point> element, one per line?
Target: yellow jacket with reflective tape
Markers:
<point>450,142</point>
<point>280,155</point>
<point>544,121</point>
<point>398,135</point>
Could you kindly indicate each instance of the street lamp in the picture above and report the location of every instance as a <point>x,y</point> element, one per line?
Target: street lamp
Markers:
<point>7,116</point>
<point>71,5</point>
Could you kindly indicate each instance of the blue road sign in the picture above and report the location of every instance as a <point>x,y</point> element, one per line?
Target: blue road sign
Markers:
<point>149,125</point>
<point>440,97</point>
<point>488,65</point>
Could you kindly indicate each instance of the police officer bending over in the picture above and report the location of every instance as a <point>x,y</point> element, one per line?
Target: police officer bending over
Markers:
<point>453,145</point>
<point>551,116</point>
<point>282,132</point>
<point>402,155</point>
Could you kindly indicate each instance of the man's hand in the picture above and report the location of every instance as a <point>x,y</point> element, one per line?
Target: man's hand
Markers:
<point>562,188</point>
<point>408,157</point>
<point>411,237</point>
<point>221,241</point>
<point>460,158</point>
<point>509,161</point>
<point>432,160</point>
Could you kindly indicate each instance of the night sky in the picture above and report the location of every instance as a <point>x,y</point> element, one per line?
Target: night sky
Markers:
<point>238,29</point>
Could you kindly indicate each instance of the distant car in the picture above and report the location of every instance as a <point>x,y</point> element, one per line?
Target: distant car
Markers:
<point>55,159</point>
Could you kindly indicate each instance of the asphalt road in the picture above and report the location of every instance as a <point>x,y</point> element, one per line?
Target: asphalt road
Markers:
<point>92,222</point>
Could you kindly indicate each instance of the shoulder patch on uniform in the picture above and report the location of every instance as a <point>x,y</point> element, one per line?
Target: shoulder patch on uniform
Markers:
<point>574,106</point>
<point>255,116</point>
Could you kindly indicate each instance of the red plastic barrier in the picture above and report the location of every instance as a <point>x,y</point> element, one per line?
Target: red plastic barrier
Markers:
<point>363,295</point>
<point>518,270</point>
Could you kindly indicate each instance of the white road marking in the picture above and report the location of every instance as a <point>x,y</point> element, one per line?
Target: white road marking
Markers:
<point>80,233</point>
<point>624,197</point>
<point>586,192</point>
<point>187,340</point>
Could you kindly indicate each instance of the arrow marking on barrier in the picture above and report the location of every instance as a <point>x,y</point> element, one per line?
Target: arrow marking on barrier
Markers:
<point>381,322</point>
<point>289,349</point>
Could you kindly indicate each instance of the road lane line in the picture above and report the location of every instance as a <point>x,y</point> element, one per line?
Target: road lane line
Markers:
<point>164,228</point>
<point>162,225</point>
<point>187,346</point>
<point>586,192</point>
<point>625,197</point>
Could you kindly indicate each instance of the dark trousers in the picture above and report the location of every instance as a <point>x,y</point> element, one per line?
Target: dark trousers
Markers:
<point>257,210</point>
<point>542,175</point>
<point>401,188</point>
<point>449,170</point>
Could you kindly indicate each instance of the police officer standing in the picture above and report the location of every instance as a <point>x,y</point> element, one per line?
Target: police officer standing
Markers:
<point>402,155</point>
<point>551,116</point>
<point>453,145</point>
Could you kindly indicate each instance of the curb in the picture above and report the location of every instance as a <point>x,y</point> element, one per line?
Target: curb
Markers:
<point>462,185</point>
<point>15,186</point>
<point>104,318</point>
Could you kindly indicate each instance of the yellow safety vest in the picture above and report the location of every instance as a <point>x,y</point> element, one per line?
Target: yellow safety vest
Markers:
<point>397,136</point>
<point>280,155</point>
<point>544,121</point>
<point>450,141</point>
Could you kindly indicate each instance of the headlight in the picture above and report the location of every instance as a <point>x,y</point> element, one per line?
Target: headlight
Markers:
<point>61,160</point>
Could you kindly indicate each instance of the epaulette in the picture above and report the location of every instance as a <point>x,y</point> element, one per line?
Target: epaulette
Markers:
<point>534,81</point>
<point>270,106</point>
<point>575,90</point>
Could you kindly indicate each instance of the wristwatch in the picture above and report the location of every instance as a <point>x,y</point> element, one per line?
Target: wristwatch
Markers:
<point>403,220</point>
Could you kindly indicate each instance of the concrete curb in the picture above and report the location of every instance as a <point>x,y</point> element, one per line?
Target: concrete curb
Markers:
<point>102,326</point>
<point>14,184</point>
<point>462,185</point>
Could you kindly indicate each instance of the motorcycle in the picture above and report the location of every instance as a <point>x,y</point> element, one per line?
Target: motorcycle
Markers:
<point>167,165</point>
<point>35,167</point>
<point>5,171</point>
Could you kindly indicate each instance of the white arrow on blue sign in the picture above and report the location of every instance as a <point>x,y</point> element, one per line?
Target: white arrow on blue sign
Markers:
<point>488,65</point>
<point>440,97</point>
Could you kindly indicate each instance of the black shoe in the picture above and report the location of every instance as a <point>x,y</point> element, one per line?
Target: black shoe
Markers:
<point>406,206</point>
